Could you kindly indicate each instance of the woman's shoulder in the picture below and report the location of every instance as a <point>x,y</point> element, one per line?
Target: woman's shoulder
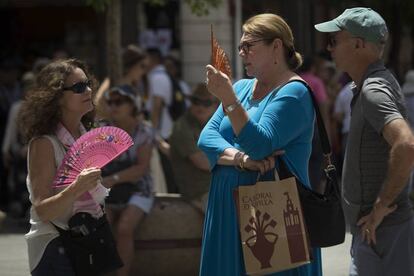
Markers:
<point>41,146</point>
<point>44,141</point>
<point>296,88</point>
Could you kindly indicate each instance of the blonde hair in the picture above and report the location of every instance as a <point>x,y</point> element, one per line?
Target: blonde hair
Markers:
<point>270,26</point>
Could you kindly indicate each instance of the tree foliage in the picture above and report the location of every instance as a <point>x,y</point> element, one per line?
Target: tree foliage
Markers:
<point>198,7</point>
<point>98,5</point>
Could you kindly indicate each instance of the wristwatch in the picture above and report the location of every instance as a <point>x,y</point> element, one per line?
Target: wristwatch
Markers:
<point>115,177</point>
<point>232,107</point>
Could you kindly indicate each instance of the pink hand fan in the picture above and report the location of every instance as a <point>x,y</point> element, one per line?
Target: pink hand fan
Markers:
<point>95,148</point>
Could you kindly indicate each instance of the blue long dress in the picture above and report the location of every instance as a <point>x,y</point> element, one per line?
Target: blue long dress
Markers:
<point>282,120</point>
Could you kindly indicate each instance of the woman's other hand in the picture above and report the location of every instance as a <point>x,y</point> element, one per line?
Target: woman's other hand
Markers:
<point>219,85</point>
<point>263,165</point>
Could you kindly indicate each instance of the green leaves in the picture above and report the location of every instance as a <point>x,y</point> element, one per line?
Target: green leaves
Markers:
<point>202,7</point>
<point>98,5</point>
<point>198,7</point>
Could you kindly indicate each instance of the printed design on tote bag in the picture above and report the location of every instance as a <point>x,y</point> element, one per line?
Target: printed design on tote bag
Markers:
<point>293,226</point>
<point>261,247</point>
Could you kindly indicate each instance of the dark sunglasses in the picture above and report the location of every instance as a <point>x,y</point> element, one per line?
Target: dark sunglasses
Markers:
<point>332,41</point>
<point>245,46</point>
<point>116,102</point>
<point>205,103</point>
<point>79,87</point>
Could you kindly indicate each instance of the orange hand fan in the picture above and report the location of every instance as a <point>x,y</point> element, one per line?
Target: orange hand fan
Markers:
<point>218,57</point>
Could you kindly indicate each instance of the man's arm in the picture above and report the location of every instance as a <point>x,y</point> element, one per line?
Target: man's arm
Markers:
<point>400,137</point>
<point>400,164</point>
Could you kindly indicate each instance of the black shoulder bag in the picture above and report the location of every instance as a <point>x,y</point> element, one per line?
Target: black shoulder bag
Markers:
<point>323,213</point>
<point>90,245</point>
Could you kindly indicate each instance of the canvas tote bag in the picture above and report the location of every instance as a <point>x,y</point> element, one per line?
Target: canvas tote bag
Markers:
<point>272,226</point>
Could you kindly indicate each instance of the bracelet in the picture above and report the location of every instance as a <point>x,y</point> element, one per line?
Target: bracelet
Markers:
<point>239,162</point>
<point>232,107</point>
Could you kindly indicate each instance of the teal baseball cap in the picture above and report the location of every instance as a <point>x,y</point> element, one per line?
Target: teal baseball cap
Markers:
<point>361,22</point>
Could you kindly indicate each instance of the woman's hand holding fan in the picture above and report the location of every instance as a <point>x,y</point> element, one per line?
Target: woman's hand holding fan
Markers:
<point>219,58</point>
<point>219,73</point>
<point>87,180</point>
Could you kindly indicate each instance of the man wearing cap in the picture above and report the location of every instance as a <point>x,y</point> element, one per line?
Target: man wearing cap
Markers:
<point>380,150</point>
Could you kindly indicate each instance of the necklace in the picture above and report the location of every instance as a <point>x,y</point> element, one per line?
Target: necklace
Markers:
<point>260,93</point>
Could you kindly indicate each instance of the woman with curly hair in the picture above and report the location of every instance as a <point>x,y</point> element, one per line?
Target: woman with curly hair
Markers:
<point>53,116</point>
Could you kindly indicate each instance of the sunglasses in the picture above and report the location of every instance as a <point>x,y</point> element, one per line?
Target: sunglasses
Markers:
<point>333,41</point>
<point>116,102</point>
<point>245,46</point>
<point>205,103</point>
<point>79,87</point>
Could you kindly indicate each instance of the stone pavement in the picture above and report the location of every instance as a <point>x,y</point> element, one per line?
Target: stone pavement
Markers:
<point>13,252</point>
<point>336,259</point>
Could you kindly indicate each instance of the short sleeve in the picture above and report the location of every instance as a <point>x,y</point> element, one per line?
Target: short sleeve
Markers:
<point>160,86</point>
<point>379,104</point>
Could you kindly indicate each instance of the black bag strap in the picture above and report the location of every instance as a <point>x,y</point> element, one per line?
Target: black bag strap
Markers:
<point>326,145</point>
<point>330,170</point>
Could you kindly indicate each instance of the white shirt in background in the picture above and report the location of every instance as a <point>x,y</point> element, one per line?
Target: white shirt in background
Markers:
<point>159,84</point>
<point>343,106</point>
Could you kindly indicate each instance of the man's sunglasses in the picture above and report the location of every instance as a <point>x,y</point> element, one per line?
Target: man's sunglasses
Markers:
<point>332,41</point>
<point>205,103</point>
<point>79,87</point>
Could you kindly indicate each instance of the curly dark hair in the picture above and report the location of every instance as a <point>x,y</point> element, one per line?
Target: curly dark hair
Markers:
<point>40,112</point>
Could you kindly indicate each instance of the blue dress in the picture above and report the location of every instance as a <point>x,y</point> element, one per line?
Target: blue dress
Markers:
<point>284,120</point>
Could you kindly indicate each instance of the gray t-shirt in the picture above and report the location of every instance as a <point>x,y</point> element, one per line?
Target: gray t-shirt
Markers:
<point>378,102</point>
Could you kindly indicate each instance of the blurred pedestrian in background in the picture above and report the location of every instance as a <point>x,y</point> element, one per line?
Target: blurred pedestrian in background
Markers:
<point>14,147</point>
<point>161,99</point>
<point>190,164</point>
<point>308,72</point>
